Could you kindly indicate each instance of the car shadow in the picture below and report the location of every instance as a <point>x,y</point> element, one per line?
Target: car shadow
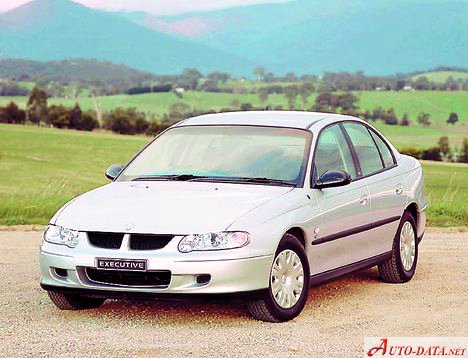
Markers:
<point>201,310</point>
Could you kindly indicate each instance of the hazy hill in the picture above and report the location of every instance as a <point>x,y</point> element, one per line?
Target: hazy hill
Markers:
<point>69,70</point>
<point>59,29</point>
<point>378,36</point>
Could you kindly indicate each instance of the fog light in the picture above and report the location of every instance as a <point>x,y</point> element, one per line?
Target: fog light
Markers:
<point>203,279</point>
<point>61,272</point>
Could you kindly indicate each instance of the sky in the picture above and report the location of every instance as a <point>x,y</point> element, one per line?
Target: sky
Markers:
<point>156,7</point>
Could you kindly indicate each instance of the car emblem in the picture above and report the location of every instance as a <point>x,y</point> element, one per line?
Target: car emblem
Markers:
<point>129,227</point>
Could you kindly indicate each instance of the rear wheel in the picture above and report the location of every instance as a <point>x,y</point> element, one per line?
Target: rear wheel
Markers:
<point>401,266</point>
<point>74,302</point>
<point>289,284</point>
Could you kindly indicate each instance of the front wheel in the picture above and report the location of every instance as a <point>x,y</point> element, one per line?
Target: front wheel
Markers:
<point>401,266</point>
<point>289,284</point>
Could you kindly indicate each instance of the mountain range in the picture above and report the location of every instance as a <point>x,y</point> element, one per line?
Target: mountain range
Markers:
<point>303,36</point>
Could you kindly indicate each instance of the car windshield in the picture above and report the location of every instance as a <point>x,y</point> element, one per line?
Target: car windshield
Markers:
<point>224,153</point>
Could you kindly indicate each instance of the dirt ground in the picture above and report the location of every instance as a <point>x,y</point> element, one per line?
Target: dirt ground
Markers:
<point>337,317</point>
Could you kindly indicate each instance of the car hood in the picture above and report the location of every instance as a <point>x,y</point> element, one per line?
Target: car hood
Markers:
<point>164,207</point>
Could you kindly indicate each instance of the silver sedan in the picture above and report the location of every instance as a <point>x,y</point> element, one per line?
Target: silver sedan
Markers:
<point>258,205</point>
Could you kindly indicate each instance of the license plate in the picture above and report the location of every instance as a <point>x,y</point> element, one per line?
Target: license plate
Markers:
<point>121,264</point>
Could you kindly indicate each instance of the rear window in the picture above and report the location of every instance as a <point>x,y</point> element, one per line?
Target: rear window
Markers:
<point>387,156</point>
<point>366,150</point>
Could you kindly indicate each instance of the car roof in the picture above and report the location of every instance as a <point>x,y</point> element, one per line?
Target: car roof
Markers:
<point>287,119</point>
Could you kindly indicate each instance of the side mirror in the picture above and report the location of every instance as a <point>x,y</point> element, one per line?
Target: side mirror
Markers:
<point>333,178</point>
<point>113,171</point>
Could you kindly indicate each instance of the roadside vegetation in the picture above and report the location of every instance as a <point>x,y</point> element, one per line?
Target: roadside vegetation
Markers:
<point>42,168</point>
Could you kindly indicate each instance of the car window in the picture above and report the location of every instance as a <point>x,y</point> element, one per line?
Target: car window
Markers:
<point>332,153</point>
<point>225,152</point>
<point>387,156</point>
<point>366,151</point>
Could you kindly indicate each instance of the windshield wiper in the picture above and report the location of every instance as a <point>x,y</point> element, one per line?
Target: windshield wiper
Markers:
<point>177,177</point>
<point>262,181</point>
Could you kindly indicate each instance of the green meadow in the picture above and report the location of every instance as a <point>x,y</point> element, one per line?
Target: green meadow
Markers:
<point>42,168</point>
<point>441,76</point>
<point>439,104</point>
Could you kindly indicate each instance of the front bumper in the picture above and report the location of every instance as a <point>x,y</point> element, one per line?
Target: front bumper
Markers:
<point>227,275</point>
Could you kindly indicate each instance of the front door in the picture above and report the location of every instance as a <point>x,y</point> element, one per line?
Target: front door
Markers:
<point>344,211</point>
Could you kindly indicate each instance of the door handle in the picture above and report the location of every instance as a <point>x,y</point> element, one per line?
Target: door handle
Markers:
<point>363,200</point>
<point>399,190</point>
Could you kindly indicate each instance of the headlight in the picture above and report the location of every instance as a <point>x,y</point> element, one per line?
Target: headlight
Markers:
<point>214,241</point>
<point>61,236</point>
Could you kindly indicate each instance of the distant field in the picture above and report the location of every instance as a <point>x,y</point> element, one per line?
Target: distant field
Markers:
<point>441,76</point>
<point>415,136</point>
<point>42,168</point>
<point>438,103</point>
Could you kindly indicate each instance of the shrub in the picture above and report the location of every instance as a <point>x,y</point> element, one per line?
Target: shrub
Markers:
<point>411,151</point>
<point>463,158</point>
<point>431,154</point>
<point>12,114</point>
<point>126,121</point>
<point>58,116</point>
<point>87,122</point>
<point>246,107</point>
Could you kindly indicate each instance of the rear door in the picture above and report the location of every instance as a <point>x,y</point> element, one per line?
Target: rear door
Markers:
<point>380,172</point>
<point>342,209</point>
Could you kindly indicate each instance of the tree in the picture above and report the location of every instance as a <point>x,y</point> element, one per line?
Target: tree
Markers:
<point>431,154</point>
<point>453,118</point>
<point>179,111</point>
<point>58,116</point>
<point>326,102</point>
<point>87,122</point>
<point>259,72</point>
<point>390,117</point>
<point>290,77</point>
<point>219,77</point>
<point>291,92</point>
<point>37,106</point>
<point>246,107</point>
<point>263,94</point>
<point>347,102</point>
<point>13,114</point>
<point>75,116</point>
<point>190,78</point>
<point>424,119</point>
<point>463,158</point>
<point>378,113</point>
<point>444,146</point>
<point>125,121</point>
<point>305,91</point>
<point>422,83</point>
<point>405,120</point>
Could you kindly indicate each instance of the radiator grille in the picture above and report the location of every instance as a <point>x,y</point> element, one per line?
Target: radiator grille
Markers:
<point>160,279</point>
<point>105,240</point>
<point>149,242</point>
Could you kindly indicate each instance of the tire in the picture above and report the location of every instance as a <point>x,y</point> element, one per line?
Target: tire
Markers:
<point>74,302</point>
<point>266,308</point>
<point>393,270</point>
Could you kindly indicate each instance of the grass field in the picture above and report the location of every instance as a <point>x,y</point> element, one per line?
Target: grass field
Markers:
<point>441,76</point>
<point>438,104</point>
<point>42,168</point>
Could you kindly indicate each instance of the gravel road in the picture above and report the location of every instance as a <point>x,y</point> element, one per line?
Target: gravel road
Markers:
<point>337,316</point>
